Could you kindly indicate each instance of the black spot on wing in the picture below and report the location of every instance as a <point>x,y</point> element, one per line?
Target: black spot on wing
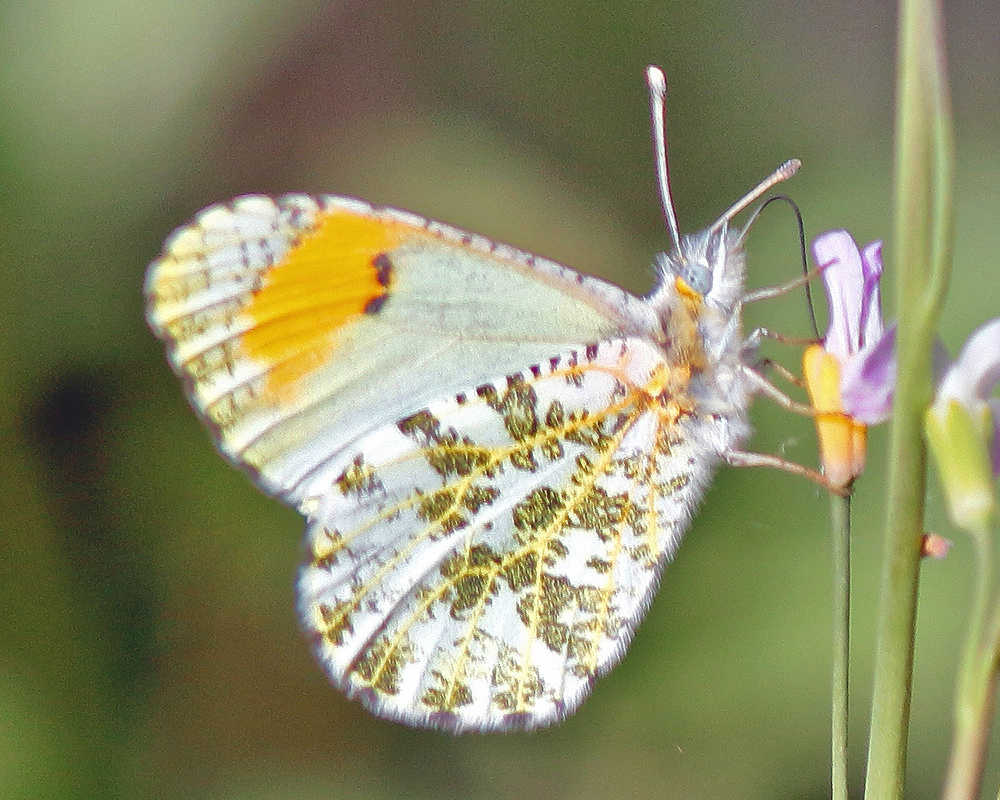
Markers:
<point>383,268</point>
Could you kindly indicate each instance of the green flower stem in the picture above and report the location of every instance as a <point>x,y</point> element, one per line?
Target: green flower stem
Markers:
<point>840,522</point>
<point>921,251</point>
<point>975,699</point>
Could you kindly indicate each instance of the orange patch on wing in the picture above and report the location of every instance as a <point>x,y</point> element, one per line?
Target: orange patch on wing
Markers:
<point>326,279</point>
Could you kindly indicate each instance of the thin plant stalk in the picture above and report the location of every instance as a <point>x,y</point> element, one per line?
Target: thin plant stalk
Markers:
<point>975,699</point>
<point>921,252</point>
<point>840,519</point>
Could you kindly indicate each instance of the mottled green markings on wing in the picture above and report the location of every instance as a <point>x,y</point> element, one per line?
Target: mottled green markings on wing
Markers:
<point>568,614</point>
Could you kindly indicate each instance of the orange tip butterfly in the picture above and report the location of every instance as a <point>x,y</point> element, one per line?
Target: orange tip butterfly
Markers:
<point>496,455</point>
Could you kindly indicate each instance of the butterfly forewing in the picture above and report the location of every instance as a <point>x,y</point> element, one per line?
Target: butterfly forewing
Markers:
<point>476,564</point>
<point>300,324</point>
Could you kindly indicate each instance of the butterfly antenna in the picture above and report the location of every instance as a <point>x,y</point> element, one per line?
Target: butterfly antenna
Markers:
<point>807,276</point>
<point>657,83</point>
<point>782,173</point>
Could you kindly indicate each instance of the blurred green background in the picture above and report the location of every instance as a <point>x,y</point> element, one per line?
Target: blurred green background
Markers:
<point>148,643</point>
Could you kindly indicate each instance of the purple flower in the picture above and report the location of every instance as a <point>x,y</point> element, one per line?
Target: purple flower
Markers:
<point>859,341</point>
<point>972,379</point>
<point>962,430</point>
<point>970,382</point>
<point>851,375</point>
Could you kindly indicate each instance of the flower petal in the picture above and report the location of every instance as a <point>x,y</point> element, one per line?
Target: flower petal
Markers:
<point>995,446</point>
<point>940,362</point>
<point>842,440</point>
<point>839,261</point>
<point>871,314</point>
<point>868,380</point>
<point>976,371</point>
<point>956,439</point>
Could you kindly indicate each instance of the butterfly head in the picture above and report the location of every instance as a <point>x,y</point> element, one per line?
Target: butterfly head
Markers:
<point>707,267</point>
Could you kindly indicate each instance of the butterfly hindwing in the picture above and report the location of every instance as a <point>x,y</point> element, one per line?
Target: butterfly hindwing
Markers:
<point>476,564</point>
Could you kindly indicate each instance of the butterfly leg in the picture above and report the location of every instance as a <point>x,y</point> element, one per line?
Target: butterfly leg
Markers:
<point>759,384</point>
<point>751,347</point>
<point>765,365</point>
<point>783,371</point>
<point>757,335</point>
<point>742,458</point>
<point>776,291</point>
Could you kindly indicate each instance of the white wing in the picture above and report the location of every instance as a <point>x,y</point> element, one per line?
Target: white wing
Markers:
<point>478,564</point>
<point>302,324</point>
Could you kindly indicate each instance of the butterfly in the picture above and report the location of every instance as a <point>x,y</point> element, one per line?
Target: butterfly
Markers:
<point>496,455</point>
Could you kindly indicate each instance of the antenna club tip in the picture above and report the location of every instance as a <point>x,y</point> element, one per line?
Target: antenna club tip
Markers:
<point>789,168</point>
<point>656,80</point>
